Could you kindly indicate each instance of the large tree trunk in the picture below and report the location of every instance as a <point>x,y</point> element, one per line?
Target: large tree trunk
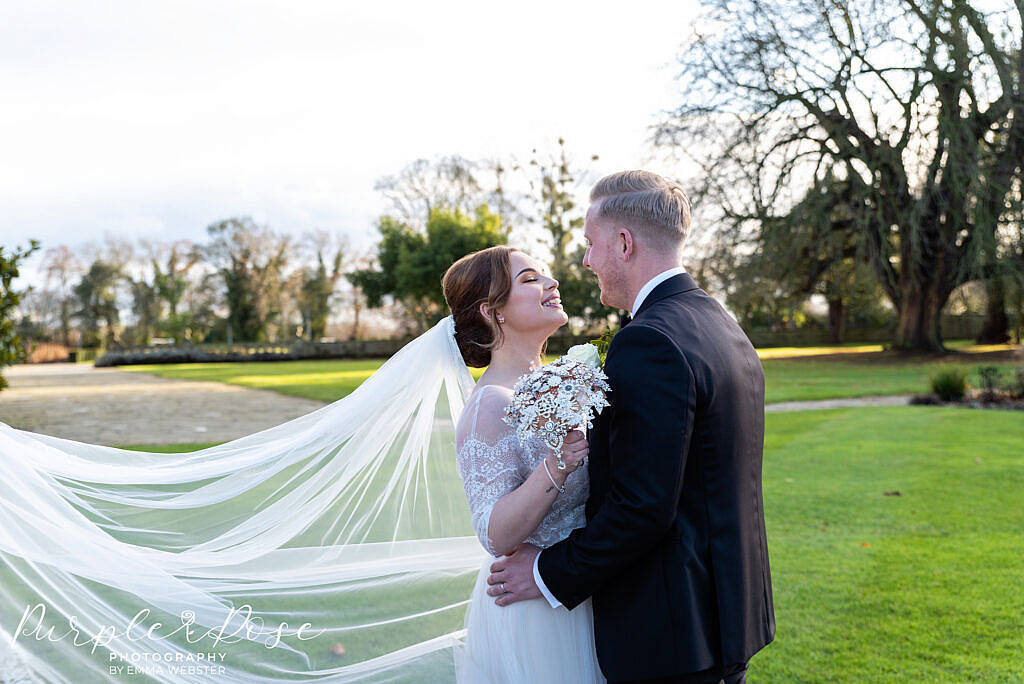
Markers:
<point>836,313</point>
<point>111,337</point>
<point>65,322</point>
<point>920,310</point>
<point>995,329</point>
<point>1018,311</point>
<point>357,307</point>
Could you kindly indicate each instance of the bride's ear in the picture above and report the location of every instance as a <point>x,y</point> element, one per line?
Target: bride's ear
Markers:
<point>485,311</point>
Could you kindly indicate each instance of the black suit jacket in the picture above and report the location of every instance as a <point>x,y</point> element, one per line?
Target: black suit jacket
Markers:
<point>674,552</point>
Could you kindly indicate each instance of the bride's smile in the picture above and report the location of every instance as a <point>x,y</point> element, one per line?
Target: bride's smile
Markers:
<point>552,302</point>
<point>534,306</point>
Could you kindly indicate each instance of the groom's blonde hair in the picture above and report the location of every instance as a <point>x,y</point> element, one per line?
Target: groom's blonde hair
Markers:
<point>645,200</point>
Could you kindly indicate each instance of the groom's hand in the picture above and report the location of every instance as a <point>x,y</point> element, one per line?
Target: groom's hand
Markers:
<point>511,578</point>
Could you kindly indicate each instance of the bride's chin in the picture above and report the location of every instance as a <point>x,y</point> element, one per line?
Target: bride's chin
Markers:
<point>556,313</point>
<point>551,322</point>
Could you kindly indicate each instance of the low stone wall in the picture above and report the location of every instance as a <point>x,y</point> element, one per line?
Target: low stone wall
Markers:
<point>251,351</point>
<point>953,327</point>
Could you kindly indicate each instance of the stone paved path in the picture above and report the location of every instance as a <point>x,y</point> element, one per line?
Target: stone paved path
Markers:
<point>113,407</point>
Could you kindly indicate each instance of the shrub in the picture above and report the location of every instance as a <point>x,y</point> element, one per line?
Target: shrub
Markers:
<point>12,349</point>
<point>1016,384</point>
<point>950,384</point>
<point>989,382</point>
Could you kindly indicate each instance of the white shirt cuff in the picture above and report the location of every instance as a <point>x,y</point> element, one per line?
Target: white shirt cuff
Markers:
<point>555,603</point>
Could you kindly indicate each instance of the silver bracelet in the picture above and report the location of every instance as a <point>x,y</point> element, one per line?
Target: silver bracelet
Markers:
<point>561,490</point>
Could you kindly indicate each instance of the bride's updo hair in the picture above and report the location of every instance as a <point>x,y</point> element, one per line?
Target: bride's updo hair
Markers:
<point>484,276</point>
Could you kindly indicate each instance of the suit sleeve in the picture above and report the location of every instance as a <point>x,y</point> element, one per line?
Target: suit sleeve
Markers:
<point>649,434</point>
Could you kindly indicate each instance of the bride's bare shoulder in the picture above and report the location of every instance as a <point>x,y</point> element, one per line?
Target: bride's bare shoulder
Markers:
<point>492,397</point>
<point>491,391</point>
<point>485,410</point>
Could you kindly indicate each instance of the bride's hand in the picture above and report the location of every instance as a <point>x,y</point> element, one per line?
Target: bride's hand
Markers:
<point>575,448</point>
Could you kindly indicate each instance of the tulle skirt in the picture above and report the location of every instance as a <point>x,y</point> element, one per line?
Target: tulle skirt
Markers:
<point>528,642</point>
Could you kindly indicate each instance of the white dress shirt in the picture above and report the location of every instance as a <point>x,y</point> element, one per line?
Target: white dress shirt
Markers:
<point>640,297</point>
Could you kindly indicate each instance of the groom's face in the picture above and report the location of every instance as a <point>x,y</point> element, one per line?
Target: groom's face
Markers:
<point>603,258</point>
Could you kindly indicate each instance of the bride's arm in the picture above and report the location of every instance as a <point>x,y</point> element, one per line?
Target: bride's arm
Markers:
<point>504,508</point>
<point>518,513</point>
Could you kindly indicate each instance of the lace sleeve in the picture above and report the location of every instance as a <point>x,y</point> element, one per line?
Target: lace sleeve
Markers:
<point>488,457</point>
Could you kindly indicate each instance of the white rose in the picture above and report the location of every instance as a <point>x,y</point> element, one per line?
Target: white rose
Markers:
<point>585,353</point>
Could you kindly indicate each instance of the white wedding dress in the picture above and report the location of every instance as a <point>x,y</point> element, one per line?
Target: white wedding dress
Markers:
<point>527,641</point>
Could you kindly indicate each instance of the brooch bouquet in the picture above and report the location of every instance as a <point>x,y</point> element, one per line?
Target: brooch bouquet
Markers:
<point>558,397</point>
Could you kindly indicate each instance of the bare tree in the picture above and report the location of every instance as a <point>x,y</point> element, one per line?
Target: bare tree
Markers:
<point>202,303</point>
<point>171,263</point>
<point>555,182</point>
<point>61,268</point>
<point>425,185</point>
<point>362,261</point>
<point>918,105</point>
<point>315,294</point>
<point>503,199</point>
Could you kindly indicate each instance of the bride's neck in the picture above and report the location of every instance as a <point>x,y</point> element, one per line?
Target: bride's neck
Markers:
<point>514,359</point>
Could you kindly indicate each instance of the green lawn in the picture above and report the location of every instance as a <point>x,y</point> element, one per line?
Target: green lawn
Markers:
<point>792,374</point>
<point>326,380</point>
<point>811,378</point>
<point>924,586</point>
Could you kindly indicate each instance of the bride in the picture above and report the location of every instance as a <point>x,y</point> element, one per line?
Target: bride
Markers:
<point>504,308</point>
<point>336,547</point>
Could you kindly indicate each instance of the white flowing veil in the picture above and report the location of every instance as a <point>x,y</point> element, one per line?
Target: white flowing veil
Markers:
<point>351,518</point>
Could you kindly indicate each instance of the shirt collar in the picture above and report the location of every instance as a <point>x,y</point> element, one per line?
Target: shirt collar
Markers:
<point>653,283</point>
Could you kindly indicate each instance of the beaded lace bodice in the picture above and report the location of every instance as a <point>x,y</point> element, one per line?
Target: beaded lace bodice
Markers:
<point>492,462</point>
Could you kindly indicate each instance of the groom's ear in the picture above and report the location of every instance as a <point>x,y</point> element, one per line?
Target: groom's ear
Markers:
<point>625,239</point>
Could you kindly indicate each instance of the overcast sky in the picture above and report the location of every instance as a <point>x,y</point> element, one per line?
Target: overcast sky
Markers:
<point>158,118</point>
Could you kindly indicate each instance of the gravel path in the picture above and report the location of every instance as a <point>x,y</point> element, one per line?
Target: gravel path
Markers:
<point>113,407</point>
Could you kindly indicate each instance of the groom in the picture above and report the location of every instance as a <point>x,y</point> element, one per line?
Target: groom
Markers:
<point>674,554</point>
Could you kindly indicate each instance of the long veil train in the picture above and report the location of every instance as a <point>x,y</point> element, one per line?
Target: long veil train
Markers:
<point>120,565</point>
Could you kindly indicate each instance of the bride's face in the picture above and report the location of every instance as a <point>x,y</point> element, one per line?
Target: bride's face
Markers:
<point>533,307</point>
